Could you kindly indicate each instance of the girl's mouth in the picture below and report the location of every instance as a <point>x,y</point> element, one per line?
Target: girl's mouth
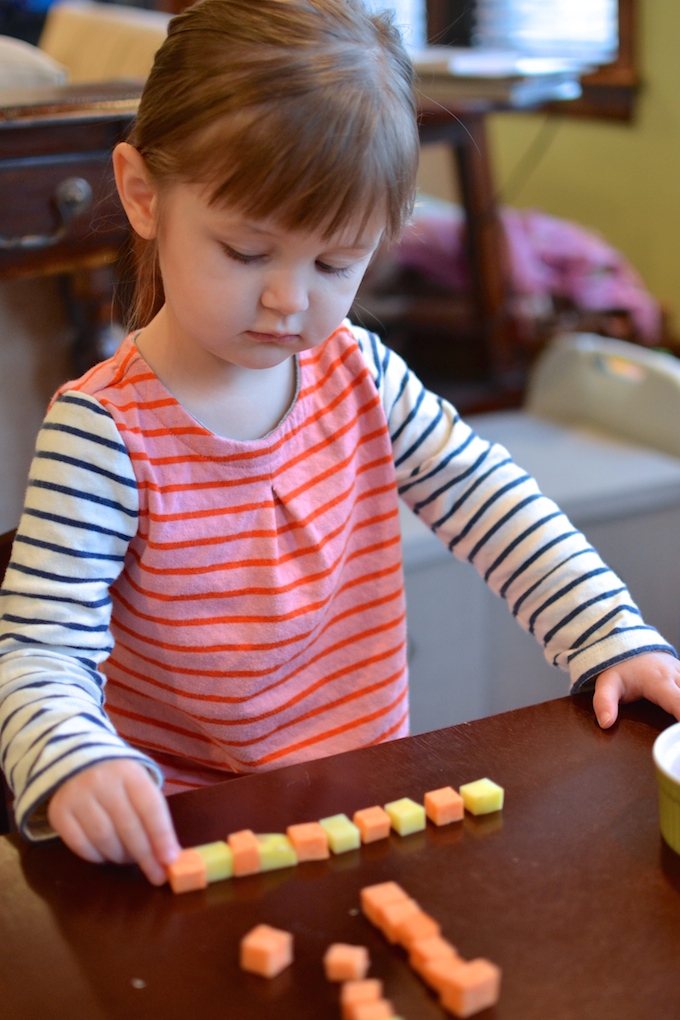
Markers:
<point>273,338</point>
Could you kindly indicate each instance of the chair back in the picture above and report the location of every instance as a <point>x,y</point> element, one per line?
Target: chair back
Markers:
<point>5,796</point>
<point>103,41</point>
<point>6,541</point>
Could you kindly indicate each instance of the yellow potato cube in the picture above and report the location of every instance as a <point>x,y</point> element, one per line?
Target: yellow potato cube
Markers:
<point>276,851</point>
<point>482,797</point>
<point>343,835</point>
<point>219,860</point>
<point>406,816</point>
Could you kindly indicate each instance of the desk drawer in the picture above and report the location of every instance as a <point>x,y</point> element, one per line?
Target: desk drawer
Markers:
<point>48,137</point>
<point>29,210</point>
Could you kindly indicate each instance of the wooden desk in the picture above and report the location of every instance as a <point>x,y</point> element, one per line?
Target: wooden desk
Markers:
<point>63,133</point>
<point>570,889</point>
<point>51,135</point>
<point>47,137</point>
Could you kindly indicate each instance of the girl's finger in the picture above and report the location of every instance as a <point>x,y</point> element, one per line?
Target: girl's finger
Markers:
<point>608,691</point>
<point>102,831</point>
<point>72,834</point>
<point>152,807</point>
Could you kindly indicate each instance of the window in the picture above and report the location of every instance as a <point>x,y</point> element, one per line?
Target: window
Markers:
<point>410,16</point>
<point>532,24</point>
<point>584,29</point>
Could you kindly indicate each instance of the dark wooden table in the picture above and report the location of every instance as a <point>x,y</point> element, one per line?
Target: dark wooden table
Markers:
<point>570,889</point>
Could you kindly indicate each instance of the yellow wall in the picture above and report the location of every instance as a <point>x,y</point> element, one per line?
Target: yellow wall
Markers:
<point>622,180</point>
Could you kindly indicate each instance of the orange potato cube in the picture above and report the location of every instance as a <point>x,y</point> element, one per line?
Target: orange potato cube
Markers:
<point>246,850</point>
<point>188,871</point>
<point>381,1009</point>
<point>361,990</point>
<point>425,950</point>
<point>444,806</point>
<point>374,897</point>
<point>437,971</point>
<point>352,993</point>
<point>392,914</point>
<point>472,987</point>
<point>373,823</point>
<point>342,962</point>
<point>310,841</point>
<point>266,951</point>
<point>415,925</point>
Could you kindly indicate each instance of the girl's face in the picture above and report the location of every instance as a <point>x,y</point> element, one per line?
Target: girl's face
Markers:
<point>250,293</point>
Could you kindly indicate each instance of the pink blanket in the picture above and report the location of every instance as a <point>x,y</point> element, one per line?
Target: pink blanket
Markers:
<point>548,257</point>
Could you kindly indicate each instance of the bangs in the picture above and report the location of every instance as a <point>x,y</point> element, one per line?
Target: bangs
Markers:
<point>312,139</point>
<point>283,165</point>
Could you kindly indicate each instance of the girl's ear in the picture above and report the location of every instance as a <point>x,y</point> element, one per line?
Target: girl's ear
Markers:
<point>135,190</point>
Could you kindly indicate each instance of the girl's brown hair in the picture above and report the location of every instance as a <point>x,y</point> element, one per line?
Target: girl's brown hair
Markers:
<point>300,111</point>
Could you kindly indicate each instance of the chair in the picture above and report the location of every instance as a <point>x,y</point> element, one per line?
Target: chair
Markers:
<point>6,541</point>
<point>99,42</point>
<point>6,817</point>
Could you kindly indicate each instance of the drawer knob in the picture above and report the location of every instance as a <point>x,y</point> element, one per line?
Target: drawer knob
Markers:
<point>72,197</point>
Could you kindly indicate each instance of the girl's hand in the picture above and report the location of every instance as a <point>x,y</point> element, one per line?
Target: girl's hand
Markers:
<point>113,811</point>
<point>652,675</point>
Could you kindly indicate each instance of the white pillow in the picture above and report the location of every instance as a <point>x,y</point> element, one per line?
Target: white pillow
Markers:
<point>25,66</point>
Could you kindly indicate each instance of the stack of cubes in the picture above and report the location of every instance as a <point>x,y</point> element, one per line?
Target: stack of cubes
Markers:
<point>464,987</point>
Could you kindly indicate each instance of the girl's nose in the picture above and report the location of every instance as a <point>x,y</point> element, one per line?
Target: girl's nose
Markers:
<point>285,293</point>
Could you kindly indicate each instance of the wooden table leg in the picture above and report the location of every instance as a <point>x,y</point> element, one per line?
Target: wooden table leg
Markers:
<point>486,244</point>
<point>465,133</point>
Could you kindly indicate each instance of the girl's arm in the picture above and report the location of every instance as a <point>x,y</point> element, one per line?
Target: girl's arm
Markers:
<point>490,512</point>
<point>80,514</point>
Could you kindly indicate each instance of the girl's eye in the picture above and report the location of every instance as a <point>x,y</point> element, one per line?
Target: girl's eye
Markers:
<point>239,256</point>
<point>323,267</point>
<point>247,260</point>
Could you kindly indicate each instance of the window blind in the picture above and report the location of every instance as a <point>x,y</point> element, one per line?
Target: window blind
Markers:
<point>586,30</point>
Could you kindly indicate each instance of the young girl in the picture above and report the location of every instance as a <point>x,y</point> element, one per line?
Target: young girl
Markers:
<point>211,521</point>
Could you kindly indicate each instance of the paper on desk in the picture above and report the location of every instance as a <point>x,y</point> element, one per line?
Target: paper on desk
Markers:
<point>486,63</point>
